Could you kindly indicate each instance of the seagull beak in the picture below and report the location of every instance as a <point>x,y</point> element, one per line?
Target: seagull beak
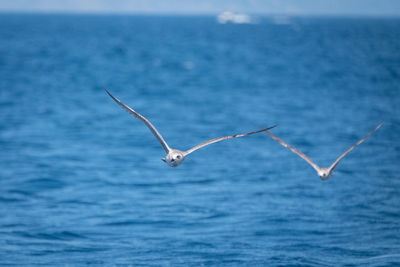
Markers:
<point>163,159</point>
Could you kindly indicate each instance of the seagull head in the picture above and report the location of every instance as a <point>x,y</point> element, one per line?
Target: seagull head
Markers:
<point>324,174</point>
<point>174,158</point>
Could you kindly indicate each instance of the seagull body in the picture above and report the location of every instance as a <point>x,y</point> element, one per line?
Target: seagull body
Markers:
<point>175,157</point>
<point>323,173</point>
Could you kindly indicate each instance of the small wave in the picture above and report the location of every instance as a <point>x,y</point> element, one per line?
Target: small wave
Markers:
<point>382,257</point>
<point>60,236</point>
<point>10,200</point>
<point>217,215</point>
<point>46,183</point>
<point>138,222</point>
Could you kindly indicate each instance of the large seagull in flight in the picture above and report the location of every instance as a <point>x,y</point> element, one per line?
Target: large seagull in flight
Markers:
<point>175,157</point>
<point>323,173</point>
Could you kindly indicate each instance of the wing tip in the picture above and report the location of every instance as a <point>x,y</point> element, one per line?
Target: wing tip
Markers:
<point>380,124</point>
<point>108,92</point>
<point>266,130</point>
<point>269,128</point>
<point>113,97</point>
<point>377,127</point>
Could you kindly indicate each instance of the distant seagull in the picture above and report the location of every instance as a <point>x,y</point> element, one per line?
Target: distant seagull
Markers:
<point>324,173</point>
<point>175,157</point>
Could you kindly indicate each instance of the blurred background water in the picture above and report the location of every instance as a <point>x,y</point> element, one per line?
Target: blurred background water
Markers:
<point>81,181</point>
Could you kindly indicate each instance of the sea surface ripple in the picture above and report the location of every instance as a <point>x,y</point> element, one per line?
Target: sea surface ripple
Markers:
<point>81,181</point>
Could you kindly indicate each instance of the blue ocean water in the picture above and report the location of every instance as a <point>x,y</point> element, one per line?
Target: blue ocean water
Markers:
<point>81,181</point>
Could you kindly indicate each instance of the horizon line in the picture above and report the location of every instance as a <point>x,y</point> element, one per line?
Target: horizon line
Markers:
<point>163,13</point>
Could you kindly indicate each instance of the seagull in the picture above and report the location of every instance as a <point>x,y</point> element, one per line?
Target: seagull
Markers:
<point>323,173</point>
<point>175,157</point>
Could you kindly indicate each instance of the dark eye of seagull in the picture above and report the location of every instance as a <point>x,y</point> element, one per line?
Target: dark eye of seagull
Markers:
<point>178,157</point>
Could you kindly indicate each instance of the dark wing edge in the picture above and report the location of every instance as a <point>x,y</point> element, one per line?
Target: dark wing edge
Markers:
<point>144,120</point>
<point>224,138</point>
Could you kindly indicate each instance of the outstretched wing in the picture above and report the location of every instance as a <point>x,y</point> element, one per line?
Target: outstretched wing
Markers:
<point>354,146</point>
<point>144,120</point>
<point>223,138</point>
<point>283,143</point>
